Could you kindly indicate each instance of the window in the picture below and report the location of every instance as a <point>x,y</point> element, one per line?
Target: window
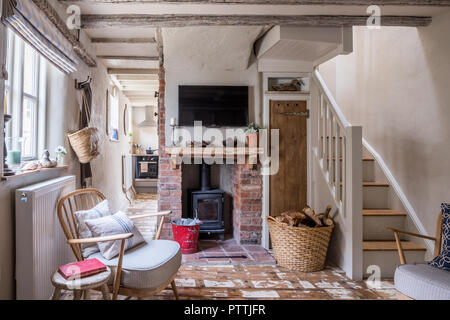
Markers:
<point>113,114</point>
<point>24,93</point>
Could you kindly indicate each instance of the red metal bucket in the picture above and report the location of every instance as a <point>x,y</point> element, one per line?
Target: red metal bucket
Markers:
<point>187,237</point>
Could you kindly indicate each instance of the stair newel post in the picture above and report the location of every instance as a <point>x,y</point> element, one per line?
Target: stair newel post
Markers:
<point>354,199</point>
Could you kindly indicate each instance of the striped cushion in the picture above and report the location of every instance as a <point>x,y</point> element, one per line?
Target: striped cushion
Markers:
<point>442,261</point>
<point>100,210</point>
<point>115,224</point>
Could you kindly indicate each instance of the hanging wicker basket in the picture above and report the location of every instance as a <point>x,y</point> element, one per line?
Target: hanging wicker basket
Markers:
<point>85,143</point>
<point>299,248</point>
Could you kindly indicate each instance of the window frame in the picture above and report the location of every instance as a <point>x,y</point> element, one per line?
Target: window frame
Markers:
<point>16,95</point>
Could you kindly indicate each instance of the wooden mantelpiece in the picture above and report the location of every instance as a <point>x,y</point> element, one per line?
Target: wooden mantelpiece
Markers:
<point>250,154</point>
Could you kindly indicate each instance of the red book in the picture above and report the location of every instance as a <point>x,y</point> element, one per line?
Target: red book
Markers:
<point>81,269</point>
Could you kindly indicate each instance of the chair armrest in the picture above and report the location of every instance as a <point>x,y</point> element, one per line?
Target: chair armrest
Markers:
<point>412,234</point>
<point>152,214</point>
<point>120,236</point>
<point>399,243</point>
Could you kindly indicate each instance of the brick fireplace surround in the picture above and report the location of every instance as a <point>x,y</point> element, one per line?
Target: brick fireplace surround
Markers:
<point>247,187</point>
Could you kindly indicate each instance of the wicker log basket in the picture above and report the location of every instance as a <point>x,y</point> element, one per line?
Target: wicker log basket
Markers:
<point>84,142</point>
<point>299,248</point>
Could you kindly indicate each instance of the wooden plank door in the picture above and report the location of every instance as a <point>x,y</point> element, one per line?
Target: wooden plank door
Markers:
<point>289,186</point>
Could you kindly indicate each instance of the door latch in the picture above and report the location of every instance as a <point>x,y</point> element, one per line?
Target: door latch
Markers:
<point>297,114</point>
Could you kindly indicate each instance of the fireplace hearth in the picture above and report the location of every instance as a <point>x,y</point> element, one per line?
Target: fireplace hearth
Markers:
<point>207,205</point>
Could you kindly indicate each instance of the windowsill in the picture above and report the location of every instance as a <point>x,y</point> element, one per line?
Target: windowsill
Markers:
<point>27,173</point>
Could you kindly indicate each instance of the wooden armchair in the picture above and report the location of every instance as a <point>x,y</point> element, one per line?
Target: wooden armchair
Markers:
<point>437,240</point>
<point>86,199</point>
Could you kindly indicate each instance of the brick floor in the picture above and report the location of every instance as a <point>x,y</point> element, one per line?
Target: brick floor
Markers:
<point>254,282</point>
<point>255,277</point>
<point>254,254</point>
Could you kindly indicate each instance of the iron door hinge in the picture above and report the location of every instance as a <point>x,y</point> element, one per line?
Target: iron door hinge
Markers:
<point>4,73</point>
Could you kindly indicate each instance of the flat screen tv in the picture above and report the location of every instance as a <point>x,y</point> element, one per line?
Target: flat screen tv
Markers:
<point>221,106</point>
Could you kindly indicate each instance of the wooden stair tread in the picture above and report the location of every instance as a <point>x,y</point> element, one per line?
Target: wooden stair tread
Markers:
<point>375,184</point>
<point>391,246</point>
<point>383,212</point>
<point>363,159</point>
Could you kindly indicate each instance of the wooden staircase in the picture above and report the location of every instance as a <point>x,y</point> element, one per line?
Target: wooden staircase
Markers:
<point>379,246</point>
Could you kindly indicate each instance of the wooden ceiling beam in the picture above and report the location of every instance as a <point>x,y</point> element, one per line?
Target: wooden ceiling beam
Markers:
<point>124,40</point>
<point>281,2</point>
<point>93,21</point>
<point>137,77</point>
<point>139,82</point>
<point>131,71</point>
<point>143,58</point>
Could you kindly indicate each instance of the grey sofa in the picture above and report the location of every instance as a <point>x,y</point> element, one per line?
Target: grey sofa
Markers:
<point>422,282</point>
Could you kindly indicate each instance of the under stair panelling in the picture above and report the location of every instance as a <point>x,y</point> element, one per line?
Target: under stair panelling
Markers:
<point>375,222</point>
<point>375,195</point>
<point>379,246</point>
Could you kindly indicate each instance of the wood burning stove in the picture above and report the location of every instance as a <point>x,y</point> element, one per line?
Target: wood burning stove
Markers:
<point>207,205</point>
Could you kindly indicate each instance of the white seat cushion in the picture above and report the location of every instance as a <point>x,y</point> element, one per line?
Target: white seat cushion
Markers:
<point>148,265</point>
<point>422,282</point>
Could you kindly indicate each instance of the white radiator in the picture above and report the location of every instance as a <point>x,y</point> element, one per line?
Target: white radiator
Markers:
<point>40,242</point>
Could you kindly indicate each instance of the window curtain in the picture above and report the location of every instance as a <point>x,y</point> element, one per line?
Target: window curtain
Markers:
<point>29,22</point>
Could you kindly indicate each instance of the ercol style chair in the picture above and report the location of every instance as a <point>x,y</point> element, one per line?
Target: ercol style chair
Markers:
<point>422,281</point>
<point>139,272</point>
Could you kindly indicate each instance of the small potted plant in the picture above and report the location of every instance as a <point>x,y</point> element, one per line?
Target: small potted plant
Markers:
<point>252,134</point>
<point>60,154</point>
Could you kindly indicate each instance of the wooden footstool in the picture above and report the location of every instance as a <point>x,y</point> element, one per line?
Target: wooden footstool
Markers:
<point>81,286</point>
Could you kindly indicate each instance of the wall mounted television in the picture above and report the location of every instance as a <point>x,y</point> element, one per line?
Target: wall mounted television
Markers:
<point>219,106</point>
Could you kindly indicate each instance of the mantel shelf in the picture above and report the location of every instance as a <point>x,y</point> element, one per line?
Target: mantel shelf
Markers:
<point>286,92</point>
<point>250,154</point>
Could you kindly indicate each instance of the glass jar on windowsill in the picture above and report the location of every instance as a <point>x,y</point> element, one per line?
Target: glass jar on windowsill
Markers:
<point>14,152</point>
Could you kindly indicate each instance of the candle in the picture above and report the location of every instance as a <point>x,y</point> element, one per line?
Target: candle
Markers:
<point>5,109</point>
<point>172,122</point>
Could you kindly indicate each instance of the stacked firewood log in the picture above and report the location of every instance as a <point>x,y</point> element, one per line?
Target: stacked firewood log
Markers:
<point>306,218</point>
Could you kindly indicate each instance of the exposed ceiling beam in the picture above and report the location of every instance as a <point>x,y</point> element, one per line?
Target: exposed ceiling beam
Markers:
<point>143,58</point>
<point>169,20</point>
<point>139,82</point>
<point>122,71</point>
<point>142,100</point>
<point>149,89</point>
<point>282,2</point>
<point>140,94</point>
<point>123,40</point>
<point>137,77</point>
<point>54,17</point>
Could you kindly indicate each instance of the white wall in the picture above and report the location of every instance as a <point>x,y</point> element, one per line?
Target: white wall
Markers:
<point>176,77</point>
<point>395,85</point>
<point>210,56</point>
<point>62,116</point>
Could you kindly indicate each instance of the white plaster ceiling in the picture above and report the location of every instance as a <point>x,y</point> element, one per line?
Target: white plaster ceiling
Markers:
<point>214,48</point>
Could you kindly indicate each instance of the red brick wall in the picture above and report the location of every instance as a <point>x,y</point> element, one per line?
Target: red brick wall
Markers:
<point>169,182</point>
<point>247,205</point>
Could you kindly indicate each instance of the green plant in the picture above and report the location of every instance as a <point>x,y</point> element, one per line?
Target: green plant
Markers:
<point>252,128</point>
